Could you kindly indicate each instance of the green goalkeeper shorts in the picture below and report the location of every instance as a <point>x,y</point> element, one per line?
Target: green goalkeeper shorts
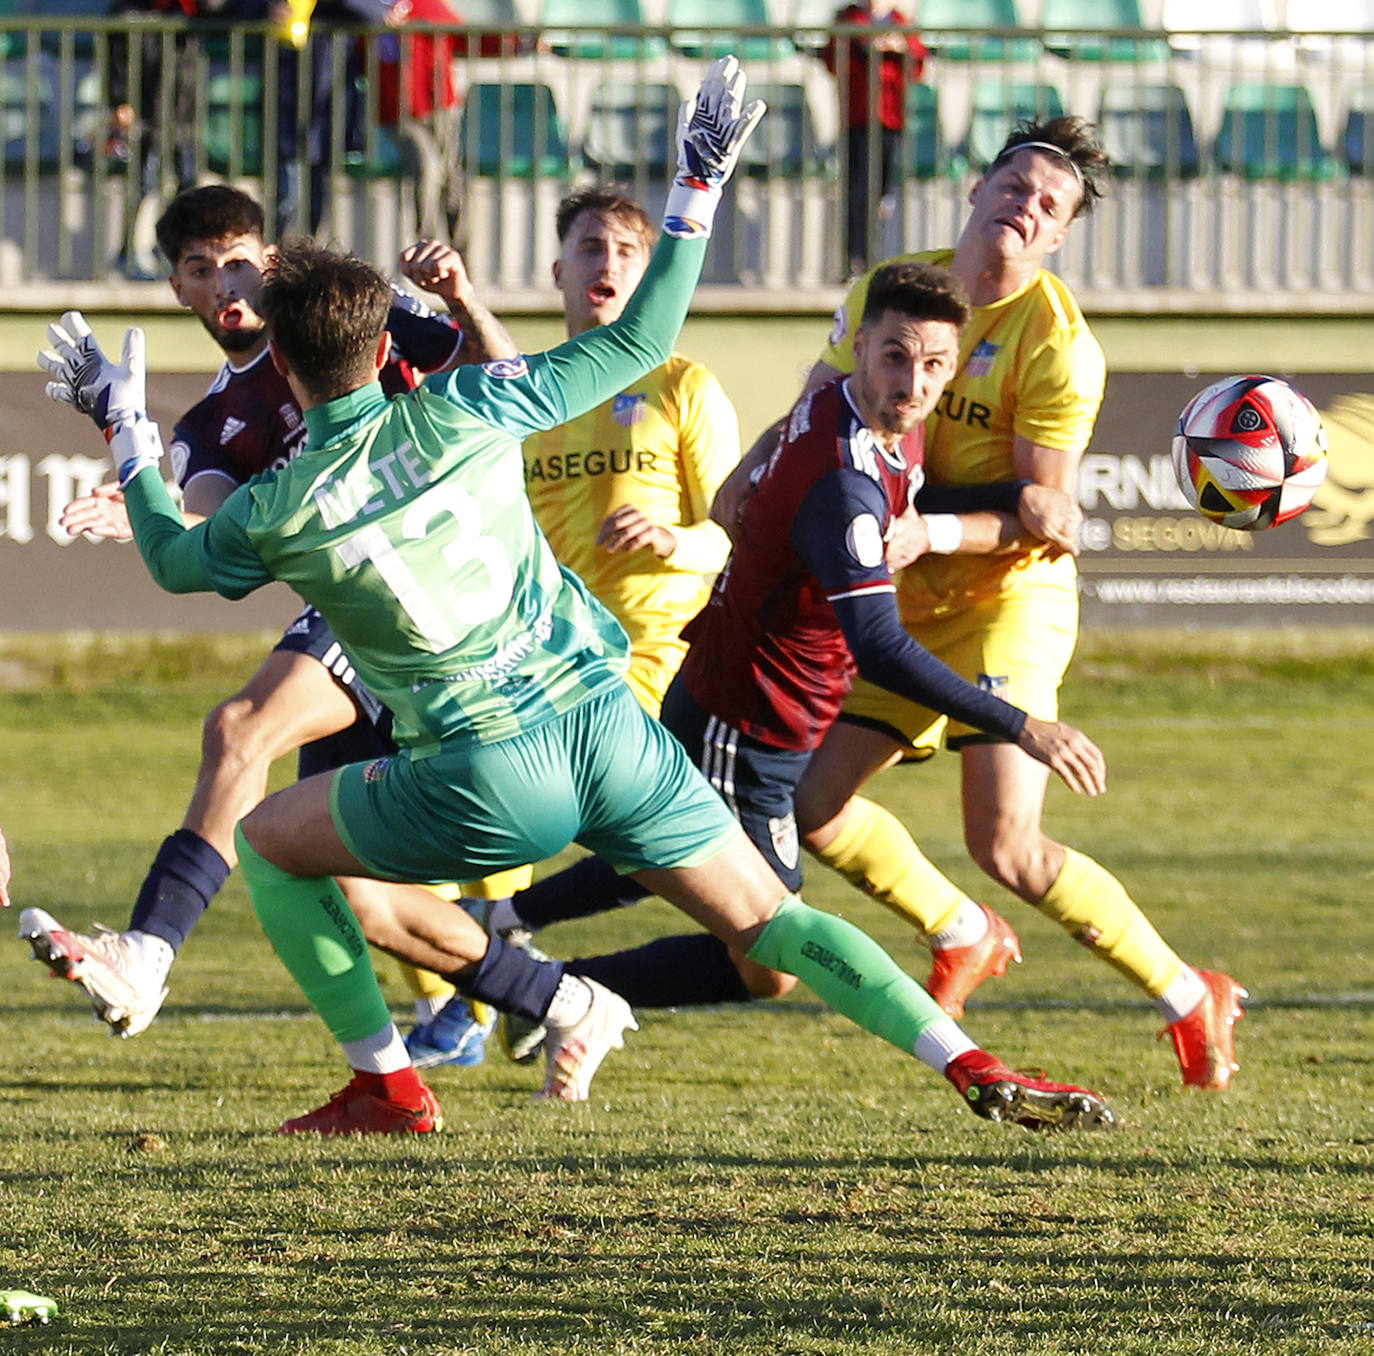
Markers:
<point>604,774</point>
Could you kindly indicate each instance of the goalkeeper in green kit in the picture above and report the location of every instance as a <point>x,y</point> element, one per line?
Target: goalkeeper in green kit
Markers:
<point>406,523</point>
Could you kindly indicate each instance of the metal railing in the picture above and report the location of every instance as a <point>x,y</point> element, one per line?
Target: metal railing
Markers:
<point>1244,180</point>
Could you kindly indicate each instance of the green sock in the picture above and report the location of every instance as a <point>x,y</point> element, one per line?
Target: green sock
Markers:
<point>849,970</point>
<point>314,932</point>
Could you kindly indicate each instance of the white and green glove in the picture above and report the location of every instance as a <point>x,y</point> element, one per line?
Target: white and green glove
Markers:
<point>112,394</point>
<point>712,128</point>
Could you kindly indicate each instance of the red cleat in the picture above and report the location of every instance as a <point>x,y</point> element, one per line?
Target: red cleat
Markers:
<point>997,1093</point>
<point>1205,1040</point>
<point>355,1111</point>
<point>958,970</point>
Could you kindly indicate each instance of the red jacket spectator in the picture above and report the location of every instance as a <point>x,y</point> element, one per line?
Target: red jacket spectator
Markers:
<point>902,59</point>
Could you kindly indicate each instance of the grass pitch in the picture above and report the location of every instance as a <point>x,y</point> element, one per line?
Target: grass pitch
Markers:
<point>761,1180</point>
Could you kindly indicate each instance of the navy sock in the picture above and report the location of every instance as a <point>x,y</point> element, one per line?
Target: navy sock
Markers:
<point>580,890</point>
<point>185,876</point>
<point>510,979</point>
<point>671,972</point>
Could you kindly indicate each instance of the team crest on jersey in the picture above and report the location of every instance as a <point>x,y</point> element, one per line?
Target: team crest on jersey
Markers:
<point>506,368</point>
<point>627,410</point>
<point>783,833</point>
<point>980,361</point>
<point>291,417</point>
<point>232,428</point>
<point>376,769</point>
<point>999,684</point>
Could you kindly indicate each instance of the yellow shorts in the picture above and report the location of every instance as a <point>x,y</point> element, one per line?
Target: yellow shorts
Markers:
<point>1017,645</point>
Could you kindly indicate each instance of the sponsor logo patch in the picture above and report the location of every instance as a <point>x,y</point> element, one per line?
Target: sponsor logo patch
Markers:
<point>628,410</point>
<point>376,770</point>
<point>863,538</point>
<point>999,684</point>
<point>506,368</point>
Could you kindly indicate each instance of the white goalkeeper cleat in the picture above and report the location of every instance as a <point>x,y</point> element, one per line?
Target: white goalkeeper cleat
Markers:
<point>574,1053</point>
<point>124,992</point>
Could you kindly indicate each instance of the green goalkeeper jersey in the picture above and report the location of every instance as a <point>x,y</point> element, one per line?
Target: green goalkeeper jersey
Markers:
<point>407,524</point>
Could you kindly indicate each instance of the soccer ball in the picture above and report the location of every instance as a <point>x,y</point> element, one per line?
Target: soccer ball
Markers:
<point>1250,452</point>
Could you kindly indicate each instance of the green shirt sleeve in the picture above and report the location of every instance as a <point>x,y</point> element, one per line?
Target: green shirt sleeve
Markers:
<point>215,556</point>
<point>526,395</point>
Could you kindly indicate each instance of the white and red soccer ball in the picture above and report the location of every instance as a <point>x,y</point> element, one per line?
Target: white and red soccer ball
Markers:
<point>1250,452</point>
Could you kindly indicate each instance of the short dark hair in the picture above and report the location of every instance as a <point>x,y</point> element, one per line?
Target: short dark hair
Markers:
<point>921,291</point>
<point>1074,140</point>
<point>213,212</point>
<point>607,202</point>
<point>326,312</point>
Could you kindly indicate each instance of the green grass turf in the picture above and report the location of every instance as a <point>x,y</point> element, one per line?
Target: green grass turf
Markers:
<point>766,1180</point>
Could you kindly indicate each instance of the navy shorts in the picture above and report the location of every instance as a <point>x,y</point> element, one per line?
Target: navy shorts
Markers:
<point>370,735</point>
<point>758,781</point>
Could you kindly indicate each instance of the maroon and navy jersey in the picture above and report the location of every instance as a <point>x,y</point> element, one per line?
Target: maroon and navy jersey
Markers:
<point>768,654</point>
<point>249,421</point>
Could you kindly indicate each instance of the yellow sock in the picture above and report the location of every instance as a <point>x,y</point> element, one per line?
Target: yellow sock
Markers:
<point>1089,902</point>
<point>425,983</point>
<point>875,852</point>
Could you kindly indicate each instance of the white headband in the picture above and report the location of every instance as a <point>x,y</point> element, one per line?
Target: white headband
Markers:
<point>1049,146</point>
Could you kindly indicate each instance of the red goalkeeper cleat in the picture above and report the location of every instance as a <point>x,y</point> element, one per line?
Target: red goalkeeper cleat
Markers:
<point>355,1111</point>
<point>1205,1040</point>
<point>998,1093</point>
<point>958,970</point>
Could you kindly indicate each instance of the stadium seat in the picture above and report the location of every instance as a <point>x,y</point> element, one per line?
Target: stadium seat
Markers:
<point>997,104</point>
<point>710,29</point>
<point>1080,29</point>
<point>925,153</point>
<point>1270,132</point>
<point>29,114</point>
<point>513,131</point>
<point>1148,131</point>
<point>965,17</point>
<point>630,131</point>
<point>569,29</point>
<point>1357,137</point>
<point>234,121</point>
<point>784,145</point>
<point>496,13</point>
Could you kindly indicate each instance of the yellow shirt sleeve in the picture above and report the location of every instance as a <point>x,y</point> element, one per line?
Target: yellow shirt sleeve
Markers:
<point>708,450</point>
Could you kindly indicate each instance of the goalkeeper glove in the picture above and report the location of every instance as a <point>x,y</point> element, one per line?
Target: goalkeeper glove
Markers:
<point>712,128</point>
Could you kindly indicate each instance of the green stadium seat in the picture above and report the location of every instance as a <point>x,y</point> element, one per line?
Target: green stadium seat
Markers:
<point>513,131</point>
<point>1270,132</point>
<point>630,131</point>
<point>569,29</point>
<point>997,104</point>
<point>710,29</point>
<point>971,17</point>
<point>1148,131</point>
<point>1357,137</point>
<point>925,154</point>
<point>494,13</point>
<point>234,121</point>
<point>784,146</point>
<point>29,115</point>
<point>1079,29</point>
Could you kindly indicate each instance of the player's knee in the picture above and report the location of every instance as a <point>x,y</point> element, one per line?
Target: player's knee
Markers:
<point>761,981</point>
<point>369,903</point>
<point>1012,855</point>
<point>226,733</point>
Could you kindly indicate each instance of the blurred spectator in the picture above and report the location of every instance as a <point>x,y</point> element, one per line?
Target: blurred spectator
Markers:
<point>139,123</point>
<point>418,94</point>
<point>866,110</point>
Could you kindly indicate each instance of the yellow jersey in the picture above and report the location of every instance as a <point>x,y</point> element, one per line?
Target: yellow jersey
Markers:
<point>1029,366</point>
<point>665,445</point>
